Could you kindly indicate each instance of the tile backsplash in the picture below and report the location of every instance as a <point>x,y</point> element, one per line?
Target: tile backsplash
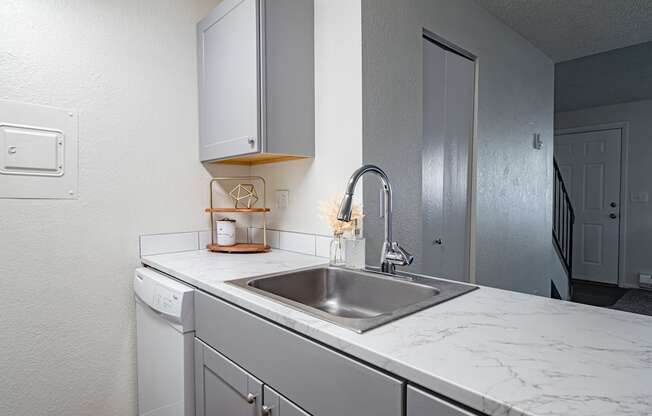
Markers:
<point>310,244</point>
<point>322,245</point>
<point>256,236</point>
<point>168,243</point>
<point>300,243</point>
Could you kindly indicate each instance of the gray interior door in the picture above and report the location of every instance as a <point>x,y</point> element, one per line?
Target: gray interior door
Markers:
<point>590,166</point>
<point>228,61</point>
<point>277,405</point>
<point>222,388</point>
<point>448,111</point>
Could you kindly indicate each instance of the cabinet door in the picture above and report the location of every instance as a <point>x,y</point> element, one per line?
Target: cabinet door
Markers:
<point>229,68</point>
<point>420,403</point>
<point>276,405</point>
<point>222,388</point>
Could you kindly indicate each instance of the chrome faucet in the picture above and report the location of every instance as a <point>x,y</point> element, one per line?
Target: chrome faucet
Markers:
<point>392,253</point>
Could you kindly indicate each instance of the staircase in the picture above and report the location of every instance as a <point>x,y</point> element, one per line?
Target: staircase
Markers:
<point>563,218</point>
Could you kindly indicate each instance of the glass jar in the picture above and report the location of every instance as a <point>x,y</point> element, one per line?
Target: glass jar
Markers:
<point>336,257</point>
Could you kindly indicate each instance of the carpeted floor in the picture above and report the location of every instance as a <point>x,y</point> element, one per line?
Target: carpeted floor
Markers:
<point>635,301</point>
<point>628,300</point>
<point>596,294</point>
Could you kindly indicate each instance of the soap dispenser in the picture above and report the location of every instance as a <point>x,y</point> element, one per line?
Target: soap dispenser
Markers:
<point>354,248</point>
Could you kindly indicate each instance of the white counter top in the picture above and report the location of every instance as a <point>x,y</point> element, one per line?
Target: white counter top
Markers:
<point>500,352</point>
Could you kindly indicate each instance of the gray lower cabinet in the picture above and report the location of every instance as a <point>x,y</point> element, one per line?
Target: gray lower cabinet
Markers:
<point>320,380</point>
<point>421,403</point>
<point>248,366</point>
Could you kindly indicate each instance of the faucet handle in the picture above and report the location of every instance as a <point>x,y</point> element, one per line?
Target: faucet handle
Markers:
<point>397,255</point>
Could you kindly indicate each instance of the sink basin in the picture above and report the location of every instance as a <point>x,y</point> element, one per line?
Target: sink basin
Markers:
<point>357,300</point>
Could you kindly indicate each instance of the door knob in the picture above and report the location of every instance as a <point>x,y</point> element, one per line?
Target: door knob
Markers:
<point>437,242</point>
<point>613,216</point>
<point>266,410</point>
<point>251,397</point>
<point>613,205</point>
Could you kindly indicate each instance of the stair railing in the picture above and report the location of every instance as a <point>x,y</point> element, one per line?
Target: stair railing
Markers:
<point>563,218</point>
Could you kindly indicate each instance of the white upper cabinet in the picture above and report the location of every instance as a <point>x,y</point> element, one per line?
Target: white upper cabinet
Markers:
<point>256,81</point>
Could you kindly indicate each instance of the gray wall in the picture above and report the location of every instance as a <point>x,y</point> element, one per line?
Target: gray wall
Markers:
<point>618,76</point>
<point>639,224</point>
<point>515,100</point>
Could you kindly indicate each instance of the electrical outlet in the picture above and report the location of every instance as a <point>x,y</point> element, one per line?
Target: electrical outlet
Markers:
<point>282,198</point>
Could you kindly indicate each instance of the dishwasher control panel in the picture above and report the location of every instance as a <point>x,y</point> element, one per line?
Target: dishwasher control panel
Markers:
<point>166,300</point>
<point>165,295</point>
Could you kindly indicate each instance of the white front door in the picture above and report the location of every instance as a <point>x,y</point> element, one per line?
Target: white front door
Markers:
<point>590,166</point>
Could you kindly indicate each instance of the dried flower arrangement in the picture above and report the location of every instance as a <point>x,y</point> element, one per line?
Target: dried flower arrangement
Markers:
<point>329,210</point>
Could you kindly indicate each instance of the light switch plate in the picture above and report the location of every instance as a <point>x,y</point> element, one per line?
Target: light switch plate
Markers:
<point>537,143</point>
<point>282,198</point>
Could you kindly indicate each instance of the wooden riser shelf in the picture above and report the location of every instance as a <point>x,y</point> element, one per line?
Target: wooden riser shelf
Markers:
<point>239,248</point>
<point>242,210</point>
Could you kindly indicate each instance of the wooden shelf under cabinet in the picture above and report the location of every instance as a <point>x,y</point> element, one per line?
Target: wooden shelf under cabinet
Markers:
<point>244,210</point>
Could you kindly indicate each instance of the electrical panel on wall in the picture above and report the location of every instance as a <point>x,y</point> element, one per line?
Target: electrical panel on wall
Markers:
<point>38,151</point>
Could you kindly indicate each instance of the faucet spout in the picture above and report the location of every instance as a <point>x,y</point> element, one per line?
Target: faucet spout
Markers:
<point>392,254</point>
<point>347,201</point>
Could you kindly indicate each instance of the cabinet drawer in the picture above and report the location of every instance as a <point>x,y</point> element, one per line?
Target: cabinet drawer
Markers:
<point>420,403</point>
<point>320,380</point>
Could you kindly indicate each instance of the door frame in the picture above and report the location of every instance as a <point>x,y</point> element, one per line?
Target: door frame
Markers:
<point>623,126</point>
<point>473,152</point>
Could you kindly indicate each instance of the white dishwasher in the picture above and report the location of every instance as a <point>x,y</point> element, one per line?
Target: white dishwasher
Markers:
<point>165,331</point>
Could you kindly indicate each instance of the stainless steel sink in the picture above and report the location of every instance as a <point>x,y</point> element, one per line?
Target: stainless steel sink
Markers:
<point>357,300</point>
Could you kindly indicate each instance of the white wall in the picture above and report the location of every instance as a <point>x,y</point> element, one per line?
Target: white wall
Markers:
<point>513,202</point>
<point>338,123</point>
<point>66,317</point>
<point>639,224</point>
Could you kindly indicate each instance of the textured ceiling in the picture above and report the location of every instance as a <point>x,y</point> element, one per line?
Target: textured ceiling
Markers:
<point>568,29</point>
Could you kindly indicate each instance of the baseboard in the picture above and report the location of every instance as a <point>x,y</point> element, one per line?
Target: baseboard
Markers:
<point>634,286</point>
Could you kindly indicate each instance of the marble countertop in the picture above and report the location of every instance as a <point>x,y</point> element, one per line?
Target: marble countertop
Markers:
<point>499,352</point>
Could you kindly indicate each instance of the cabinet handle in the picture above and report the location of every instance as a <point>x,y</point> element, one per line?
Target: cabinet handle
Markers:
<point>251,397</point>
<point>267,410</point>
